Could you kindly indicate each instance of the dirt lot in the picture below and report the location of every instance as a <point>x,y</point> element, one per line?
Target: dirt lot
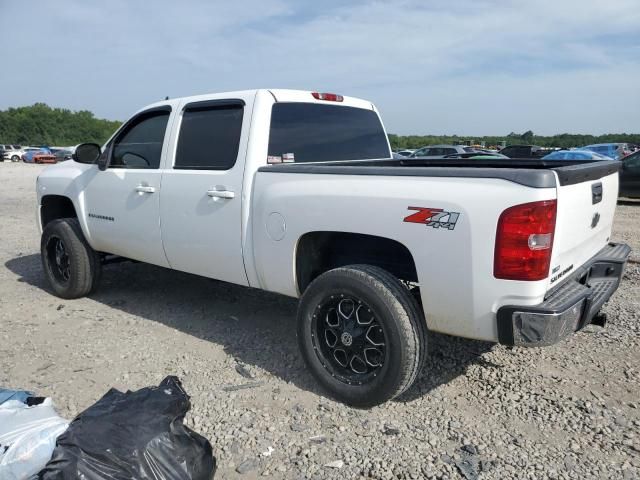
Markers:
<point>478,410</point>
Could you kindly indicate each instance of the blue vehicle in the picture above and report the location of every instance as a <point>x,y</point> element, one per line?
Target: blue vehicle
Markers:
<point>28,156</point>
<point>578,154</point>
<point>613,150</point>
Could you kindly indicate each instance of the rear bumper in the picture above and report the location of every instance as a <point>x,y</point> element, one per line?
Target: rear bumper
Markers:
<point>570,306</point>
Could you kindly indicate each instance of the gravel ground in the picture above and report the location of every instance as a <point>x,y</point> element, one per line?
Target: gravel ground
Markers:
<point>477,411</point>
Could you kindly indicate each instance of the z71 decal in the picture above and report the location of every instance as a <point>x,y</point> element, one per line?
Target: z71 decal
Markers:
<point>433,217</point>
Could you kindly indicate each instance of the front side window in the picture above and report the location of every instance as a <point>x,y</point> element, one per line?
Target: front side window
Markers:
<point>310,132</point>
<point>210,136</point>
<point>139,145</point>
<point>423,152</point>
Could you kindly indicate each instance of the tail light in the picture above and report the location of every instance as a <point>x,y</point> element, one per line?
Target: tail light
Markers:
<point>524,240</point>
<point>329,97</point>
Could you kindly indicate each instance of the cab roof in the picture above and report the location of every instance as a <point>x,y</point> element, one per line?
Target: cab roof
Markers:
<point>279,95</point>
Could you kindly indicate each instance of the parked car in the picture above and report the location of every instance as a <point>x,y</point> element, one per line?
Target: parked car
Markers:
<point>296,193</point>
<point>524,151</point>
<point>62,155</point>
<point>476,155</point>
<point>630,176</point>
<point>612,150</point>
<point>440,151</point>
<point>1,153</point>
<point>42,157</point>
<point>31,152</point>
<point>576,154</point>
<point>407,152</point>
<point>11,152</point>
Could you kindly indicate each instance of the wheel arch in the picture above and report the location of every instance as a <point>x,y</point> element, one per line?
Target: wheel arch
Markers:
<point>53,207</point>
<point>319,251</point>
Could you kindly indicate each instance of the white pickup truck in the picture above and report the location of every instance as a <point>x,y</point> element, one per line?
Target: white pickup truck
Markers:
<point>296,192</point>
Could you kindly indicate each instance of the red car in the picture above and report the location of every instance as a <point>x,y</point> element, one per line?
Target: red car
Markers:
<point>44,158</point>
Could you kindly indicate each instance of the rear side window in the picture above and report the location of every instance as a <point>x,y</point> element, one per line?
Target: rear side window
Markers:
<point>309,132</point>
<point>210,136</point>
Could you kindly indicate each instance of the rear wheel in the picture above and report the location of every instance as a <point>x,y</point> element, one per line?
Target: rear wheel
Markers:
<point>15,158</point>
<point>71,266</point>
<point>361,334</point>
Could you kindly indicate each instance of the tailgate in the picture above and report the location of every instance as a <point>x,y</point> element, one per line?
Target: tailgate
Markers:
<point>586,207</point>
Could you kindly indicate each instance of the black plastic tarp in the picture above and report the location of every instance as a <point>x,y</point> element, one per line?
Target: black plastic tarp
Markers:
<point>131,435</point>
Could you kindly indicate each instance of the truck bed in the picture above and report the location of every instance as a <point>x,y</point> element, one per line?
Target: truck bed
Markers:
<point>536,173</point>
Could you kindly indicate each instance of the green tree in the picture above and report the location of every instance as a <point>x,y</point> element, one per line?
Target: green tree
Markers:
<point>40,124</point>
<point>527,137</point>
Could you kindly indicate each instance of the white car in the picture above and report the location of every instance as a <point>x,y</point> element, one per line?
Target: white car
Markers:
<point>406,152</point>
<point>441,151</point>
<point>296,192</point>
<point>12,152</point>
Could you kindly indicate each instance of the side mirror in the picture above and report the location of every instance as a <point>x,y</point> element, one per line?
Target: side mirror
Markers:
<point>87,153</point>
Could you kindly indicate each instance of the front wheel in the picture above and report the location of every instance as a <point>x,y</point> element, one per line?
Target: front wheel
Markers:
<point>71,266</point>
<point>15,158</point>
<point>361,334</point>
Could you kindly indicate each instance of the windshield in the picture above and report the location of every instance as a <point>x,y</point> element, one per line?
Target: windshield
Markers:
<point>310,132</point>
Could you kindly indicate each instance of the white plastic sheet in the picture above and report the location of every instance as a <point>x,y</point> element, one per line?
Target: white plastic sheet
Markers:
<point>27,437</point>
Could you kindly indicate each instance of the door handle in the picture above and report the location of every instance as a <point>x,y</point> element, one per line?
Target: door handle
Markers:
<point>228,194</point>
<point>145,189</point>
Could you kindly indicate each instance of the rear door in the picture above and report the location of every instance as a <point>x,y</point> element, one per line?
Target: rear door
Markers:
<point>583,223</point>
<point>201,199</point>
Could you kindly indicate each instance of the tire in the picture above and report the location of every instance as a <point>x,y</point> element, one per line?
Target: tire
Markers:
<point>336,309</point>
<point>71,266</point>
<point>15,158</point>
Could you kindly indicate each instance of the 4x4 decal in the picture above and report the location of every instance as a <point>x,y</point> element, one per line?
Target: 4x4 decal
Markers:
<point>433,217</point>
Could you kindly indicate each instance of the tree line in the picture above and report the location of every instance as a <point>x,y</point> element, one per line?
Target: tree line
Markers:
<point>40,124</point>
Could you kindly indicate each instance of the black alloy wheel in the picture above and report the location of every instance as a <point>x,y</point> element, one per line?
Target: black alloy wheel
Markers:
<point>348,339</point>
<point>58,259</point>
<point>362,334</point>
<point>70,265</point>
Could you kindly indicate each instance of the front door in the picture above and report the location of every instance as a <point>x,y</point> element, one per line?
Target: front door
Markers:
<point>201,198</point>
<point>122,202</point>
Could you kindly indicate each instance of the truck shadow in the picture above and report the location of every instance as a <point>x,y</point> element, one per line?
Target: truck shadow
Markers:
<point>257,328</point>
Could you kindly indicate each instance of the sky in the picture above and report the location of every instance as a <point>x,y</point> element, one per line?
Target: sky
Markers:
<point>467,67</point>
